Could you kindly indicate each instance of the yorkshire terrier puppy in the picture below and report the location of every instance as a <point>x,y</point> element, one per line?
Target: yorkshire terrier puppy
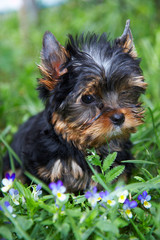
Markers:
<point>91,89</point>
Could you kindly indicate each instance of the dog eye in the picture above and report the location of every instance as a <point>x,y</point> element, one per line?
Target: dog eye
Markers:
<point>123,92</point>
<point>87,99</point>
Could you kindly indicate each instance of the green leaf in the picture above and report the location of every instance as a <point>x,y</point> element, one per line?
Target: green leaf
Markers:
<point>36,230</point>
<point>100,175</point>
<point>24,222</point>
<point>107,227</point>
<point>100,181</point>
<point>74,212</point>
<point>94,158</point>
<point>5,233</point>
<point>46,197</point>
<point>47,207</point>
<point>108,161</point>
<point>141,215</point>
<point>65,230</point>
<point>91,216</point>
<point>75,229</point>
<point>18,228</point>
<point>47,222</point>
<point>96,161</point>
<point>22,189</point>
<point>79,199</point>
<point>153,183</point>
<point>120,223</point>
<point>114,173</point>
<point>87,233</point>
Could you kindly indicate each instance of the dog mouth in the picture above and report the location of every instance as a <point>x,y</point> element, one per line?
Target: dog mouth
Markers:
<point>117,131</point>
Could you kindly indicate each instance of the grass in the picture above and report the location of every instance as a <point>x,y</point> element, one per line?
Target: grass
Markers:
<point>42,219</point>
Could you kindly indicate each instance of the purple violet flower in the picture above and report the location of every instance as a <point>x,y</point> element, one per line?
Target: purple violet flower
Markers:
<point>58,190</point>
<point>9,208</point>
<point>8,182</point>
<point>93,197</point>
<point>122,195</point>
<point>105,196</point>
<point>36,191</point>
<point>128,205</point>
<point>144,198</point>
<point>14,195</point>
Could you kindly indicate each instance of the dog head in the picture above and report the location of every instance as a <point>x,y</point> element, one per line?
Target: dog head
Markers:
<point>91,87</point>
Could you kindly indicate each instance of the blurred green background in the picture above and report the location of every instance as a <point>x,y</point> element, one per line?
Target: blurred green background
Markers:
<point>20,46</point>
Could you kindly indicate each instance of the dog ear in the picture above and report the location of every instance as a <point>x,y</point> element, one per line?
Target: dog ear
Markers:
<point>53,57</point>
<point>126,41</point>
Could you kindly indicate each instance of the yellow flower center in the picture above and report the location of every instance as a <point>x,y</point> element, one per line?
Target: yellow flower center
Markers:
<point>147,204</point>
<point>109,202</point>
<point>128,211</point>
<point>122,197</point>
<point>59,194</point>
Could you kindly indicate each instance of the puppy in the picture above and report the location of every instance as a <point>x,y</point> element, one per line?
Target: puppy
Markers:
<point>90,89</point>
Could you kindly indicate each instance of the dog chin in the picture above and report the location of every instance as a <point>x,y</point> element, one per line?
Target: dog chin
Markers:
<point>117,131</point>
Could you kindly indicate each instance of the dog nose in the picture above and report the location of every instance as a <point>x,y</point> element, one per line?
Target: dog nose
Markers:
<point>117,118</point>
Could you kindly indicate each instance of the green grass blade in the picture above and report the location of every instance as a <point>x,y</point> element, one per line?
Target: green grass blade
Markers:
<point>10,150</point>
<point>139,162</point>
<point>154,128</point>
<point>11,162</point>
<point>37,181</point>
<point>140,235</point>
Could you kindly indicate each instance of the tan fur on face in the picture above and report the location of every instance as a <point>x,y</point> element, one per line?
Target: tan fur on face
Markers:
<point>100,130</point>
<point>93,87</point>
